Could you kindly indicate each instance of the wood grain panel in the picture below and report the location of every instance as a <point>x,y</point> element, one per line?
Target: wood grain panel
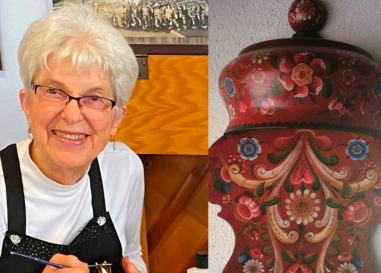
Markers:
<point>174,249</point>
<point>168,114</point>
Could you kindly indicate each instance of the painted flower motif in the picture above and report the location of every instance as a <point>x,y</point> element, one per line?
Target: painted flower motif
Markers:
<point>241,106</point>
<point>302,207</point>
<point>258,75</point>
<point>376,90</point>
<point>253,266</point>
<point>357,149</point>
<point>231,112</point>
<point>347,268</point>
<point>226,199</point>
<point>345,257</point>
<point>302,74</point>
<point>364,106</point>
<point>356,213</point>
<point>348,76</point>
<point>299,267</point>
<point>346,57</point>
<point>256,254</point>
<point>247,209</point>
<point>337,107</point>
<point>259,56</point>
<point>302,173</point>
<point>229,87</point>
<point>225,175</point>
<point>351,239</point>
<point>305,10</point>
<point>249,148</point>
<point>265,106</point>
<point>377,201</point>
<point>375,66</point>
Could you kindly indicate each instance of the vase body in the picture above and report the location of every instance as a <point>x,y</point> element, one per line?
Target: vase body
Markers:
<point>297,171</point>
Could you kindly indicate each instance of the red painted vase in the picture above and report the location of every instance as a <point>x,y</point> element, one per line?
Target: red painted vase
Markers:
<point>297,172</point>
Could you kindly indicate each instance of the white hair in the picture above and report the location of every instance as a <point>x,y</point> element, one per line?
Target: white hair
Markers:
<point>79,33</point>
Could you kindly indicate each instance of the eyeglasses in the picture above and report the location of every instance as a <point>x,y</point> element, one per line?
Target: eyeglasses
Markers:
<point>91,106</point>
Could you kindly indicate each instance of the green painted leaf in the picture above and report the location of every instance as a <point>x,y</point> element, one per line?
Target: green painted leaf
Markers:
<point>227,101</point>
<point>235,73</point>
<point>329,265</point>
<point>351,229</point>
<point>274,159</point>
<point>245,225</point>
<point>333,203</point>
<point>267,249</point>
<point>340,94</point>
<point>303,188</point>
<point>347,191</point>
<point>327,89</point>
<point>332,250</point>
<point>288,256</point>
<point>274,61</point>
<point>276,87</point>
<point>333,161</point>
<point>336,238</point>
<point>252,94</point>
<point>310,258</point>
<point>332,65</point>
<point>249,194</point>
<point>242,90</point>
<point>270,263</point>
<point>340,226</point>
<point>265,94</point>
<point>215,176</point>
<point>355,253</point>
<point>265,236</point>
<point>255,224</point>
<point>352,96</point>
<point>264,226</point>
<point>247,248</point>
<point>271,201</point>
<point>260,189</point>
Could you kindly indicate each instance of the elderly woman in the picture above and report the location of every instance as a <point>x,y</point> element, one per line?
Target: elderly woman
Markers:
<point>66,189</point>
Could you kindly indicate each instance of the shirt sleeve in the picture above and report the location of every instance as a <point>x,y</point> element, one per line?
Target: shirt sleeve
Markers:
<point>133,220</point>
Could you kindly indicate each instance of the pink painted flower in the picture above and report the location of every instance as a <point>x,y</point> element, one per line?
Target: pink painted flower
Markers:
<point>345,257</point>
<point>255,235</point>
<point>241,106</point>
<point>247,209</point>
<point>364,106</point>
<point>351,239</point>
<point>258,75</point>
<point>377,201</point>
<point>256,254</point>
<point>348,76</point>
<point>302,173</point>
<point>356,213</point>
<point>225,175</point>
<point>267,107</point>
<point>299,267</point>
<point>226,199</point>
<point>302,74</point>
<point>337,107</point>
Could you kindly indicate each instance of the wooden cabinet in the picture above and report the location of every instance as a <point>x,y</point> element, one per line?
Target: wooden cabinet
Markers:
<point>167,125</point>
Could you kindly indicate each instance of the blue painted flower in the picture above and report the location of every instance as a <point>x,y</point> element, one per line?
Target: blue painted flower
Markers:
<point>376,90</point>
<point>357,263</point>
<point>243,258</point>
<point>357,149</point>
<point>229,87</point>
<point>227,186</point>
<point>249,148</point>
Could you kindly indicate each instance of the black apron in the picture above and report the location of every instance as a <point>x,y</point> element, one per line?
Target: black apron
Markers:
<point>96,243</point>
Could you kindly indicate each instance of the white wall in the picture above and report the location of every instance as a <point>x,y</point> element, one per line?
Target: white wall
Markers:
<point>15,18</point>
<point>237,24</point>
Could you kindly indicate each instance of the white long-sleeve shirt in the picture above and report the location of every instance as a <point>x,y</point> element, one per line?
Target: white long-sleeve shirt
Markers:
<point>56,213</point>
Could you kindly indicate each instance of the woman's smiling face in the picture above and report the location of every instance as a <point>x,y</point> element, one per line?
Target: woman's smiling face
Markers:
<point>63,136</point>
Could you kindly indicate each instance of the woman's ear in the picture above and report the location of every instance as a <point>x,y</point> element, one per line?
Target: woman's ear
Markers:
<point>118,119</point>
<point>24,102</point>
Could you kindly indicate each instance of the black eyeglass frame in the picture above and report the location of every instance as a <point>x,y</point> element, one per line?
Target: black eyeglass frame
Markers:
<point>35,86</point>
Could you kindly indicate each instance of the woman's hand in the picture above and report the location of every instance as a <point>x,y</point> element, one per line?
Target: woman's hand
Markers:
<point>128,266</point>
<point>71,262</point>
